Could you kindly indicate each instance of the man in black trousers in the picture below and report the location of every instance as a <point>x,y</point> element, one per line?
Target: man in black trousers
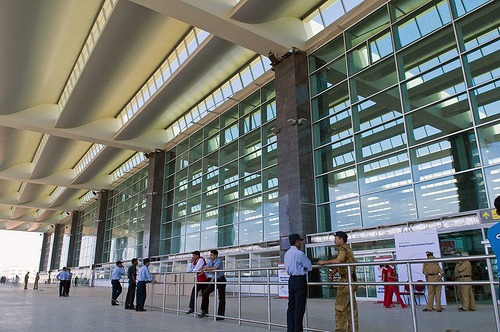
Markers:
<point>132,276</point>
<point>296,265</point>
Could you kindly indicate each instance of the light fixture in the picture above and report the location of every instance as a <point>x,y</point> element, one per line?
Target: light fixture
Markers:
<point>291,122</point>
<point>275,130</point>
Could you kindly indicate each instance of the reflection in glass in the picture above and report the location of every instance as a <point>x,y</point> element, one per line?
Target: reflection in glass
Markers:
<point>337,186</point>
<point>326,77</point>
<point>450,195</point>
<point>377,109</point>
<point>333,128</point>
<point>385,173</point>
<point>493,182</point>
<point>424,23</point>
<point>373,80</point>
<point>489,141</point>
<point>438,120</point>
<point>383,139</point>
<point>339,215</point>
<point>439,83</point>
<point>487,99</point>
<point>334,156</point>
<point>330,102</point>
<point>393,206</point>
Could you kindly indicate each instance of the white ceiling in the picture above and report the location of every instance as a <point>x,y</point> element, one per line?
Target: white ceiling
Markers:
<point>40,42</point>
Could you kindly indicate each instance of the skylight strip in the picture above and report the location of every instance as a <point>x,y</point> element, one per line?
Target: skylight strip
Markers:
<point>135,160</point>
<point>87,158</point>
<point>255,69</point>
<point>176,58</point>
<point>99,24</point>
<point>328,13</point>
<point>40,148</point>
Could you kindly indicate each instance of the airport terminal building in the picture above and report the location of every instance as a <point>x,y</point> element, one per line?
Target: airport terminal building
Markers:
<point>387,120</point>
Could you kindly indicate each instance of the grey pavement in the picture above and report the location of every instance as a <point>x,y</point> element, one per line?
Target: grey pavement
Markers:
<point>89,309</point>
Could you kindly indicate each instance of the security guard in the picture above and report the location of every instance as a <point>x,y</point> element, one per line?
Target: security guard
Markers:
<point>463,272</point>
<point>342,304</point>
<point>433,272</point>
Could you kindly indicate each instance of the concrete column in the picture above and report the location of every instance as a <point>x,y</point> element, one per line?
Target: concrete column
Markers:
<point>55,247</point>
<point>152,218</point>
<point>72,239</point>
<point>44,253</point>
<point>295,155</point>
<point>102,203</point>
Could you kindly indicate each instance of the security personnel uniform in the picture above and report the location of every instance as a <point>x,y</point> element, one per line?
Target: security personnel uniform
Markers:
<point>463,272</point>
<point>342,304</point>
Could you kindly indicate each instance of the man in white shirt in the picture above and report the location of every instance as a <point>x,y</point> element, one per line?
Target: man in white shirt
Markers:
<point>296,265</point>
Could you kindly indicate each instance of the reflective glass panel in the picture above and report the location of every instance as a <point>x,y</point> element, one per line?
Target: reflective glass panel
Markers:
<point>328,76</point>
<point>393,206</point>
<point>489,141</point>
<point>326,54</point>
<point>383,139</point>
<point>271,228</point>
<point>428,20</point>
<point>373,80</point>
<point>330,102</point>
<point>437,84</point>
<point>271,206</point>
<point>367,28</point>
<point>334,156</point>
<point>209,239</point>
<point>337,186</point>
<point>493,182</point>
<point>339,215</point>
<point>465,6</point>
<point>438,120</point>
<point>332,129</point>
<point>473,27</point>
<point>445,157</point>
<point>250,185</point>
<point>385,173</point>
<point>251,232</point>
<point>377,109</point>
<point>487,99</point>
<point>429,52</point>
<point>450,195</point>
<point>484,63</point>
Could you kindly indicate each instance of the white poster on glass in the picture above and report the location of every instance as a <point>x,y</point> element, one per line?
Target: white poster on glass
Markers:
<point>414,245</point>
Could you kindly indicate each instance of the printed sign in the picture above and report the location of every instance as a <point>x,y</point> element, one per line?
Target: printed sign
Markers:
<point>283,280</point>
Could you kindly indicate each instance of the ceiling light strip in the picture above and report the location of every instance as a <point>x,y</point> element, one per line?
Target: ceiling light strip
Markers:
<point>236,83</point>
<point>176,58</point>
<point>99,24</point>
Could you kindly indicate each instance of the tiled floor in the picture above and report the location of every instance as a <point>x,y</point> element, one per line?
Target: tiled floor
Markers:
<point>89,309</point>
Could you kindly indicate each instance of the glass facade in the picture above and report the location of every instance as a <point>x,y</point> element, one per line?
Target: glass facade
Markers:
<point>125,219</point>
<point>62,240</point>
<point>85,236</point>
<point>405,109</point>
<point>220,185</point>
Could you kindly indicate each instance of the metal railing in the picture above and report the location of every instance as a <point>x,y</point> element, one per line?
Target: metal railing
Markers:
<point>173,284</point>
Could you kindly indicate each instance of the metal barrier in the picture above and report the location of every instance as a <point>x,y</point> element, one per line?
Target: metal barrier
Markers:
<point>236,279</point>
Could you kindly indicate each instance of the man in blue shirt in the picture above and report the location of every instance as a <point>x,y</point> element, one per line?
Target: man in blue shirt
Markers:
<point>296,265</point>
<point>61,276</point>
<point>215,263</point>
<point>142,279</point>
<point>116,275</point>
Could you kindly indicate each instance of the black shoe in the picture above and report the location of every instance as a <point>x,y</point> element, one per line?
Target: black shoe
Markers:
<point>113,302</point>
<point>190,311</point>
<point>140,310</point>
<point>427,309</point>
<point>219,318</point>
<point>203,314</point>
